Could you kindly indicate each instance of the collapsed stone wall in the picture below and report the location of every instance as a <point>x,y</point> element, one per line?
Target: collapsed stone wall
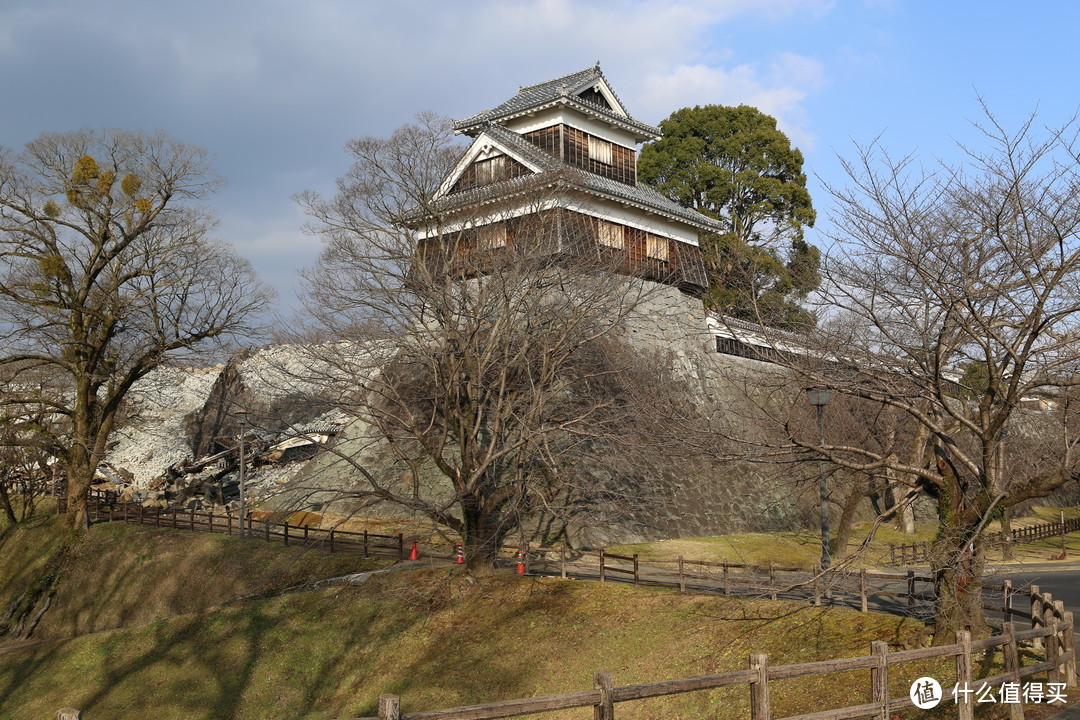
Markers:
<point>187,414</point>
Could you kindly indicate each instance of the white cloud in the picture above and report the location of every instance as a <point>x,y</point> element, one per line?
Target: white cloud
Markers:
<point>778,89</point>
<point>275,87</point>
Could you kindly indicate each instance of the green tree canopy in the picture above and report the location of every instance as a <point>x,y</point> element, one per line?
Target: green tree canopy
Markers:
<point>734,165</point>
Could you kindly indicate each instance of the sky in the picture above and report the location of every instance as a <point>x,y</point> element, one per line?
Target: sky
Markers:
<point>273,89</point>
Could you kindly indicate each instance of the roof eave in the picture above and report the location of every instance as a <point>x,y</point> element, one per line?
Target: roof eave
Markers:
<point>640,131</point>
<point>648,207</point>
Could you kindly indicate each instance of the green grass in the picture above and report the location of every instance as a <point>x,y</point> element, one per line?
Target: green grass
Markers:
<point>438,639</point>
<point>123,575</point>
<point>800,548</point>
<point>155,641</point>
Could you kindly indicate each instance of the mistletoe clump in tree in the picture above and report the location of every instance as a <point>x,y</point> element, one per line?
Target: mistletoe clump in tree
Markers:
<point>733,164</point>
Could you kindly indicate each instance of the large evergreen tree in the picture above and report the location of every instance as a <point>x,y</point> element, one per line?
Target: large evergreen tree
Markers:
<point>733,164</point>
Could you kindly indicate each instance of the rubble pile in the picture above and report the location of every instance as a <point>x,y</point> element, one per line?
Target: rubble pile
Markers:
<point>212,482</point>
<point>152,438</point>
<point>180,444</point>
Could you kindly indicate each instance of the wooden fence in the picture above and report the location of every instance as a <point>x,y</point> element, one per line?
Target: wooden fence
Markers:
<point>912,593</point>
<point>911,590</point>
<point>104,507</point>
<point>1051,626</point>
<point>914,553</point>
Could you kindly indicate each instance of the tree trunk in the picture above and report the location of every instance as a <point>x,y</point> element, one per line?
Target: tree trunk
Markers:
<point>905,514</point>
<point>1006,533</point>
<point>482,538</point>
<point>5,501</point>
<point>847,518</point>
<point>78,486</point>
<point>956,561</point>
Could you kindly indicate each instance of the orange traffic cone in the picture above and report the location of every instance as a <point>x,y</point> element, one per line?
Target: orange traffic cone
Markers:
<point>414,554</point>
<point>459,556</point>
<point>520,563</point>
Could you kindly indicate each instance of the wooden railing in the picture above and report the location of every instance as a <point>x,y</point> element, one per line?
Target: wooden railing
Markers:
<point>1051,626</point>
<point>916,553</point>
<point>772,580</point>
<point>102,506</point>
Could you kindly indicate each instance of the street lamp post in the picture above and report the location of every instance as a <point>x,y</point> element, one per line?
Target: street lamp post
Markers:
<point>819,398</point>
<point>242,414</point>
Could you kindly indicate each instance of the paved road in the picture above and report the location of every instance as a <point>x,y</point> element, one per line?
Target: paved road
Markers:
<point>1064,584</point>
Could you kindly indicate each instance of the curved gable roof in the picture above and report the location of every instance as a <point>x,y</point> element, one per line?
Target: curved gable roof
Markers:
<point>561,91</point>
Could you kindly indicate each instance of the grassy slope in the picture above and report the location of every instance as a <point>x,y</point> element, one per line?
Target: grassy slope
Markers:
<point>139,574</point>
<point>799,548</point>
<point>436,637</point>
<point>802,548</point>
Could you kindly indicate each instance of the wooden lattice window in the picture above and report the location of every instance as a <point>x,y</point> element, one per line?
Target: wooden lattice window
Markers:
<point>610,235</point>
<point>599,150</point>
<point>489,171</point>
<point>491,236</point>
<point>656,247</point>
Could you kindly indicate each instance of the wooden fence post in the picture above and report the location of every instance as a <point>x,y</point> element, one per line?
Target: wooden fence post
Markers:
<point>286,533</point>
<point>210,521</point>
<point>772,581</point>
<point>365,542</point>
<point>267,524</point>
<point>401,546</point>
<point>637,578</point>
<point>817,591</point>
<point>1069,643</point>
<point>1036,615</point>
<point>682,575</point>
<point>727,582</point>
<point>966,708</point>
<point>911,588</point>
<point>601,564</point>
<point>562,561</point>
<point>759,688</point>
<point>1008,591</point>
<point>862,590</point>
<point>389,707</point>
<point>605,709</point>
<point>879,678</point>
<point>229,523</point>
<point>331,539</point>
<point>1053,654</point>
<point>1012,666</point>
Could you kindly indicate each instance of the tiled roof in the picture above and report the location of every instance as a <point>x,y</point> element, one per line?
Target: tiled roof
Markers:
<point>638,194</point>
<point>522,147</point>
<point>563,89</point>
<point>645,196</point>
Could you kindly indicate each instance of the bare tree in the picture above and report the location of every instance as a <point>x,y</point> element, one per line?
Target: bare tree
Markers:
<point>26,471</point>
<point>491,372</point>
<point>106,272</point>
<point>939,272</point>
